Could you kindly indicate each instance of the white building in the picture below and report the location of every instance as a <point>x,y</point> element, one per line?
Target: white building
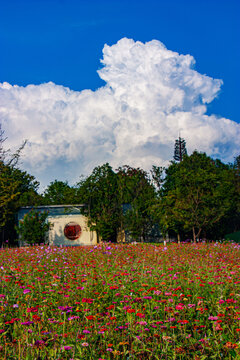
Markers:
<point>69,226</point>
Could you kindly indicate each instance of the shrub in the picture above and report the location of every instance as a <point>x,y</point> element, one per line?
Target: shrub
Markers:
<point>34,226</point>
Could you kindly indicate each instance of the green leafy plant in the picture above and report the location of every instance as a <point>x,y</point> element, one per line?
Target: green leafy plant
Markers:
<point>34,227</point>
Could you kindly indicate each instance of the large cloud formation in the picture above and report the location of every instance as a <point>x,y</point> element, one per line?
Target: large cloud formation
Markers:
<point>151,94</point>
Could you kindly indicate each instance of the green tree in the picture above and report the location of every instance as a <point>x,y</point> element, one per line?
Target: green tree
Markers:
<point>164,181</point>
<point>163,214</point>
<point>198,195</point>
<point>236,171</point>
<point>59,192</point>
<point>99,192</point>
<point>17,188</point>
<point>136,190</point>
<point>157,175</point>
<point>34,227</point>
<point>231,222</point>
<point>8,188</point>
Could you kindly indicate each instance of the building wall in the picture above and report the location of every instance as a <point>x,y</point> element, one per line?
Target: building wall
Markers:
<point>59,216</point>
<point>56,233</point>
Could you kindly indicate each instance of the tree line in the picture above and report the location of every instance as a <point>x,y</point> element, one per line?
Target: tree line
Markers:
<point>194,197</point>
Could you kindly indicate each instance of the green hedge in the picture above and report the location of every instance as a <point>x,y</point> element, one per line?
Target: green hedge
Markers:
<point>235,236</point>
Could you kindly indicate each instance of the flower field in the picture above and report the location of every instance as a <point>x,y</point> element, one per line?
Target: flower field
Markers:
<point>141,301</point>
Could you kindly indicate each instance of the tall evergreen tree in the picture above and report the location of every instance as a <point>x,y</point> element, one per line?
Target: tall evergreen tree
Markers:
<point>179,149</point>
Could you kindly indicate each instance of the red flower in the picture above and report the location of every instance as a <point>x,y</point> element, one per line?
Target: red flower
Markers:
<point>88,301</point>
<point>183,321</point>
<point>12,321</point>
<point>32,309</point>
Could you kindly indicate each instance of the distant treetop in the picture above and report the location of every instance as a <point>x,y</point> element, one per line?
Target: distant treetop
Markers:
<point>179,149</point>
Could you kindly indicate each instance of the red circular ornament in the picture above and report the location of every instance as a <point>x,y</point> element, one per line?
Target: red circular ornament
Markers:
<point>72,231</point>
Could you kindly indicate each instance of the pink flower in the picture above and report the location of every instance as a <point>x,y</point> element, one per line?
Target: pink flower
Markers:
<point>25,291</point>
<point>67,347</point>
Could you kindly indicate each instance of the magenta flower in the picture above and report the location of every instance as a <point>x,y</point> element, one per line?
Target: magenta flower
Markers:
<point>66,309</point>
<point>67,347</point>
<point>39,343</point>
<point>25,291</point>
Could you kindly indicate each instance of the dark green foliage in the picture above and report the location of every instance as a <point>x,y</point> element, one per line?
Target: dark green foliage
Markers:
<point>33,228</point>
<point>136,189</point>
<point>17,188</point>
<point>236,172</point>
<point>99,192</point>
<point>235,236</point>
<point>157,174</point>
<point>197,194</point>
<point>105,192</point>
<point>59,192</point>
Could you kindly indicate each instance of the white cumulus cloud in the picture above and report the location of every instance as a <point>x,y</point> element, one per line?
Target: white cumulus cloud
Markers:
<point>151,94</point>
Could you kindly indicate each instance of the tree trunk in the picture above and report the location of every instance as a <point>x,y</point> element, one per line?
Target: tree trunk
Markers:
<point>98,238</point>
<point>178,238</point>
<point>196,236</point>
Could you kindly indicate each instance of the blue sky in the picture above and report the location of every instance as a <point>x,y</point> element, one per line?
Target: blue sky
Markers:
<point>62,41</point>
